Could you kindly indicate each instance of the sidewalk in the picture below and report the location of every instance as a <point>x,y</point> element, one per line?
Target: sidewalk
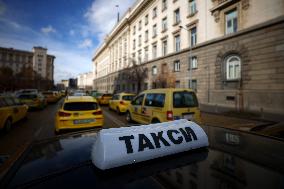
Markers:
<point>233,122</point>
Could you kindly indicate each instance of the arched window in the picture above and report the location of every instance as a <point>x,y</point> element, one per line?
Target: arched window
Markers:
<point>154,70</point>
<point>233,67</point>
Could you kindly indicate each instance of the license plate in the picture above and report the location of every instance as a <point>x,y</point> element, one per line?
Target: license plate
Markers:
<point>188,116</point>
<point>83,121</point>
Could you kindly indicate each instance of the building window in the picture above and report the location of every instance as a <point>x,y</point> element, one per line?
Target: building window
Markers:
<point>192,84</point>
<point>139,40</point>
<point>193,62</point>
<point>164,24</point>
<point>134,30</point>
<point>233,68</point>
<point>146,54</point>
<point>164,5</point>
<point>176,16</point>
<point>146,35</point>
<point>177,43</point>
<point>231,23</point>
<point>155,30</point>
<point>176,66</point>
<point>154,50</point>
<point>192,7</point>
<point>134,44</point>
<point>134,57</point>
<point>177,84</point>
<point>154,70</point>
<point>140,25</point>
<point>193,36</point>
<point>139,56</point>
<point>155,12</point>
<point>164,47</point>
<point>146,19</point>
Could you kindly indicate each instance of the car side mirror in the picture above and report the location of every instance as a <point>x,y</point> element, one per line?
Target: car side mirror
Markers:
<point>132,102</point>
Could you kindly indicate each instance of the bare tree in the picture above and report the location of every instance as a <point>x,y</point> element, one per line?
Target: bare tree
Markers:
<point>165,79</point>
<point>134,73</point>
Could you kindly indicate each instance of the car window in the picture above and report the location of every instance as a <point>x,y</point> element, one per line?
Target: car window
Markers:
<point>80,106</point>
<point>2,102</point>
<point>184,99</point>
<point>128,97</point>
<point>9,101</point>
<point>155,99</point>
<point>115,97</point>
<point>27,96</point>
<point>138,100</point>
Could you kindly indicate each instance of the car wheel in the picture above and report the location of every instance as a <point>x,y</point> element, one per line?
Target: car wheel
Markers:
<point>118,111</point>
<point>128,117</point>
<point>155,121</point>
<point>8,125</point>
<point>56,132</point>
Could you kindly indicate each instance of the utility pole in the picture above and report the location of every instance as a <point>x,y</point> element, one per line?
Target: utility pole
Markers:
<point>190,58</point>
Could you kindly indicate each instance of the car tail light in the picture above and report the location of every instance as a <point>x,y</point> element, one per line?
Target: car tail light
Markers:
<point>170,116</point>
<point>64,114</point>
<point>97,112</point>
<point>121,102</point>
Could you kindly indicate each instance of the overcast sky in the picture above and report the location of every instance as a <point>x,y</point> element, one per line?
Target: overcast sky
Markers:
<point>70,29</point>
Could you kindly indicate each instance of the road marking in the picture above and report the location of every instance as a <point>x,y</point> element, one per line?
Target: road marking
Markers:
<point>38,132</point>
<point>113,119</point>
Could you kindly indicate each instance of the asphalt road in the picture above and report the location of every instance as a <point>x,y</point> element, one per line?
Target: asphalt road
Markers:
<point>40,125</point>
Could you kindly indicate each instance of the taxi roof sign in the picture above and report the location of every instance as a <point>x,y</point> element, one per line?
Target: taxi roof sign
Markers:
<point>127,145</point>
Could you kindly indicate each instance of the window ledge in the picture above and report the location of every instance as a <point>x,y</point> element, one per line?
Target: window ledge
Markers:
<point>177,23</point>
<point>163,31</point>
<point>191,14</point>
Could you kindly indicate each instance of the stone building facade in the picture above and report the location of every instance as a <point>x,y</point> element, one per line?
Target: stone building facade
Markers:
<point>38,60</point>
<point>230,52</point>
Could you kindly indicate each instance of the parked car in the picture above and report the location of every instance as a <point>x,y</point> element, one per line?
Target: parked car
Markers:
<point>34,91</point>
<point>234,159</point>
<point>104,98</point>
<point>78,112</point>
<point>161,105</point>
<point>11,111</point>
<point>51,96</point>
<point>33,100</point>
<point>120,102</point>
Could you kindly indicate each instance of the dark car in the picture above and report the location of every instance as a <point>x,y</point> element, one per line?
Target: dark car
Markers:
<point>234,159</point>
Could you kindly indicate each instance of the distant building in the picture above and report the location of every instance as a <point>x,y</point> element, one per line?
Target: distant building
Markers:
<point>72,83</point>
<point>19,60</point>
<point>65,83</point>
<point>85,80</point>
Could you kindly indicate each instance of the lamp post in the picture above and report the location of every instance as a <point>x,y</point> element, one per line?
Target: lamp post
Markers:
<point>190,58</point>
<point>117,6</point>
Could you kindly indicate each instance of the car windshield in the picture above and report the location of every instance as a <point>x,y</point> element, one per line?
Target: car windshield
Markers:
<point>128,97</point>
<point>27,96</point>
<point>80,106</point>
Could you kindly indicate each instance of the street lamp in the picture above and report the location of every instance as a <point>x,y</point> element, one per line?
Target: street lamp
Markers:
<point>190,58</point>
<point>117,6</point>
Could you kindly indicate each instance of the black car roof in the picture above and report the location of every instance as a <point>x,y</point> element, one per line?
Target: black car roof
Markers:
<point>235,159</point>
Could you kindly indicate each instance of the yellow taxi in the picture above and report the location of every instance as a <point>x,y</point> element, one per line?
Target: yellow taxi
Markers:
<point>33,100</point>
<point>120,102</point>
<point>161,105</point>
<point>11,111</point>
<point>78,112</point>
<point>50,96</point>
<point>104,98</point>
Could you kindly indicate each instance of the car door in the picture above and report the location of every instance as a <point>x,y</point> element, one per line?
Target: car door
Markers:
<point>136,108</point>
<point>15,113</point>
<point>22,108</point>
<point>4,112</point>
